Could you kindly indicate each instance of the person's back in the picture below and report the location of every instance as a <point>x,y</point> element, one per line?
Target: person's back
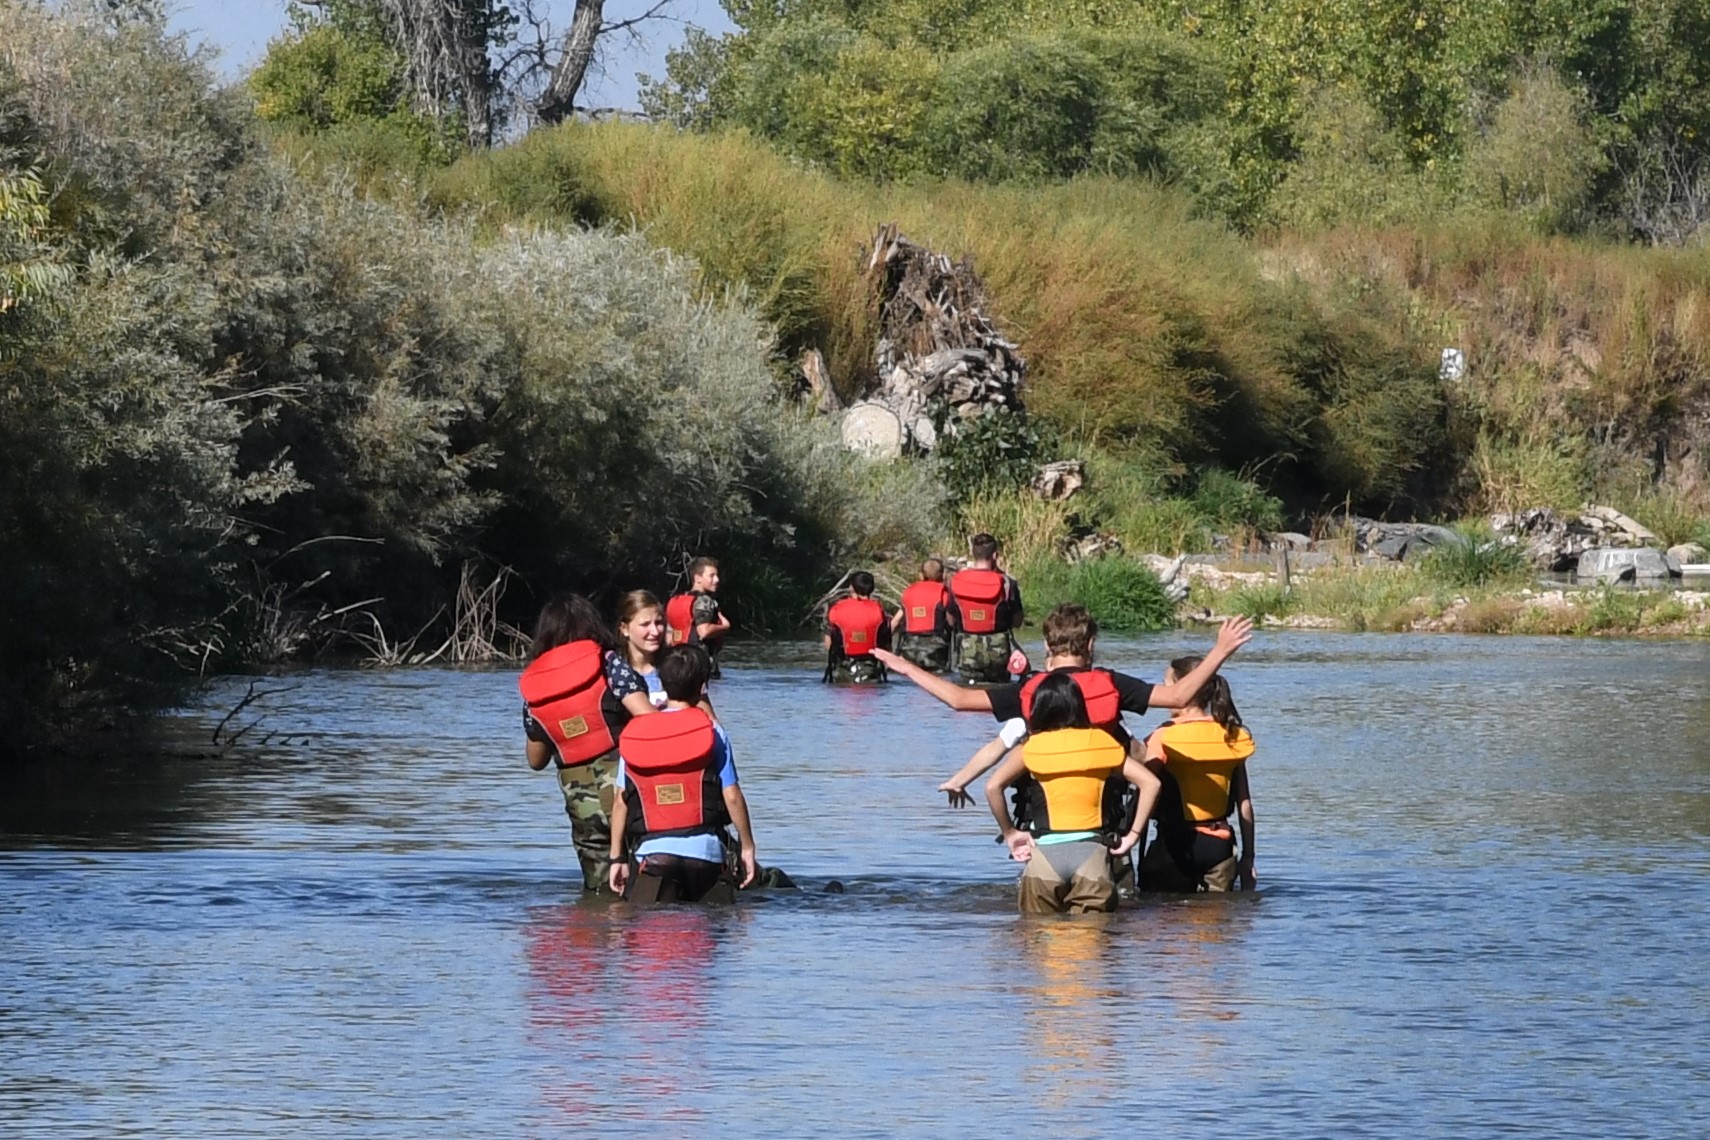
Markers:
<point>923,625</point>
<point>856,625</point>
<point>1066,763</point>
<point>987,606</point>
<point>678,789</point>
<point>1201,755</point>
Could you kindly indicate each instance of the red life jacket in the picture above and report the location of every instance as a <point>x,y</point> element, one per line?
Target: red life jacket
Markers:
<point>564,690</point>
<point>1104,703</point>
<point>680,616</point>
<point>858,622</point>
<point>979,595</point>
<point>672,783</point>
<point>924,605</point>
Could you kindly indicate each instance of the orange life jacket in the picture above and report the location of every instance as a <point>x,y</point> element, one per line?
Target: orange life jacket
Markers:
<point>1104,704</point>
<point>680,616</point>
<point>979,594</point>
<point>857,622</point>
<point>564,690</point>
<point>924,607</point>
<point>672,784</point>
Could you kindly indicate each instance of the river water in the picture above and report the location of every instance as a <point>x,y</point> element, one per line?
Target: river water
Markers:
<point>1484,908</point>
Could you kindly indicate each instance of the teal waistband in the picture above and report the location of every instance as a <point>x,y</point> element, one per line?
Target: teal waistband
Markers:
<point>1063,837</point>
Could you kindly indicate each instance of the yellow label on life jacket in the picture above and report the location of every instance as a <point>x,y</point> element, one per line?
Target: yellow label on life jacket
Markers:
<point>667,793</point>
<point>858,635</point>
<point>917,611</point>
<point>976,615</point>
<point>574,727</point>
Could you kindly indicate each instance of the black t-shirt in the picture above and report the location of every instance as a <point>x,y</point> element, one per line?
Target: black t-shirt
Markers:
<point>1134,694</point>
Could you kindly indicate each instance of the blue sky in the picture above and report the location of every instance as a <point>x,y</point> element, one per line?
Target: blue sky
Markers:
<point>240,29</point>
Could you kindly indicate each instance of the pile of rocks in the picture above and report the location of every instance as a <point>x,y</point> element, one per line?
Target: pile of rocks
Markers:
<point>1400,540</point>
<point>940,360</point>
<point>1559,542</point>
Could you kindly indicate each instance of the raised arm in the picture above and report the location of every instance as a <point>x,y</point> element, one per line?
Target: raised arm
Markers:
<point>1242,794</point>
<point>1236,632</point>
<point>958,697</point>
<point>1008,772</point>
<point>737,805</point>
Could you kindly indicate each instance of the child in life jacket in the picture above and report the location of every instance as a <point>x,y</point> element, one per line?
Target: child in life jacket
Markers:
<point>678,791</point>
<point>1201,755</point>
<point>694,618</point>
<point>641,629</point>
<point>987,603</point>
<point>923,623</point>
<point>1067,851</point>
<point>855,625</point>
<point>578,694</point>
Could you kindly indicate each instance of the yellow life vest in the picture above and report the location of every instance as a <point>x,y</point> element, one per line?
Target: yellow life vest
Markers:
<point>1202,758</point>
<point>1071,766</point>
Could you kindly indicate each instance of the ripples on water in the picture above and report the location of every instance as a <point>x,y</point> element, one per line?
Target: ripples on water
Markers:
<point>1484,909</point>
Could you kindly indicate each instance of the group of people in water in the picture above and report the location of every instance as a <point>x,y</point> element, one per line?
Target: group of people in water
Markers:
<point>653,799</point>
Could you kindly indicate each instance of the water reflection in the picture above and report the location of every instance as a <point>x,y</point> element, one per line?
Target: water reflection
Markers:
<point>1073,998</point>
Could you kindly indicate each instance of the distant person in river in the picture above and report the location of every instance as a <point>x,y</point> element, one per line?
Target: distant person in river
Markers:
<point>678,792</point>
<point>578,694</point>
<point>855,625</point>
<point>694,618</point>
<point>1201,756</point>
<point>1068,848</point>
<point>987,604</point>
<point>923,624</point>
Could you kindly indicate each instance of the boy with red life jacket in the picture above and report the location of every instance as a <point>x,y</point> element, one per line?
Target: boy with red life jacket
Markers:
<point>694,618</point>
<point>678,791</point>
<point>856,625</point>
<point>987,604</point>
<point>921,628</point>
<point>1201,755</point>
<point>1070,850</point>
<point>578,694</point>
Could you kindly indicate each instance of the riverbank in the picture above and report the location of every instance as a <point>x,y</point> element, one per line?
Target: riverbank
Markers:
<point>1359,595</point>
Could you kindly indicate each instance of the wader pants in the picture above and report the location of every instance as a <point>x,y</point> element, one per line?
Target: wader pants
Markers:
<point>1067,878</point>
<point>983,658</point>
<point>1200,863</point>
<point>928,650</point>
<point>589,790</point>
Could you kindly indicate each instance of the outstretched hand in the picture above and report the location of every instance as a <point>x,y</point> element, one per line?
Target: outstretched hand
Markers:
<point>892,661</point>
<point>1236,632</point>
<point>958,794</point>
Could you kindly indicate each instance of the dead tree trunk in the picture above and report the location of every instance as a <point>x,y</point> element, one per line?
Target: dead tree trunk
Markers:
<point>558,101</point>
<point>445,55</point>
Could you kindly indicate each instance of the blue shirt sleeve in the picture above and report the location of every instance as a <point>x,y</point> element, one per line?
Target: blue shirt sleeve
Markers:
<point>621,774</point>
<point>726,757</point>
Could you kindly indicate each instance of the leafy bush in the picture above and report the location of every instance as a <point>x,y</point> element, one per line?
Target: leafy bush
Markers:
<point>991,455</point>
<point>1260,602</point>
<point>1122,594</point>
<point>1230,502</point>
<point>1479,562</point>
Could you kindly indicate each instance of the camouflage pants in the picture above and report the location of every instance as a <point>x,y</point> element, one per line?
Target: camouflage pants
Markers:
<point>858,671</point>
<point>589,790</point>
<point>927,650</point>
<point>983,657</point>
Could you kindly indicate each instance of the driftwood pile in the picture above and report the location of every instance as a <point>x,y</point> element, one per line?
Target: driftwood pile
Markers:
<point>940,361</point>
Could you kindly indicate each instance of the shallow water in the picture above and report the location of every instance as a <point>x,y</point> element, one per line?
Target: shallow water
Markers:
<point>1485,908</point>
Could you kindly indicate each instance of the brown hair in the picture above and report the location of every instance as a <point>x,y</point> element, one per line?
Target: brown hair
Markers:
<point>983,547</point>
<point>699,564</point>
<point>932,570</point>
<point>1069,632</point>
<point>633,603</point>
<point>1213,696</point>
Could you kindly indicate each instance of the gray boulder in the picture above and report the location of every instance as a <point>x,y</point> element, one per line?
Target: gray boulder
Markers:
<point>1688,553</point>
<point>1622,564</point>
<point>1401,540</point>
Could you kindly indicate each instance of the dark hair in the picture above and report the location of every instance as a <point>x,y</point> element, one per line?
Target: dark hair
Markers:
<point>932,570</point>
<point>1058,703</point>
<point>683,672</point>
<point>983,547</point>
<point>699,564</point>
<point>862,583</point>
<point>566,618</point>
<point>1213,697</point>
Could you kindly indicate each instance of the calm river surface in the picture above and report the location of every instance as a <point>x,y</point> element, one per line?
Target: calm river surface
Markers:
<point>1485,908</point>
